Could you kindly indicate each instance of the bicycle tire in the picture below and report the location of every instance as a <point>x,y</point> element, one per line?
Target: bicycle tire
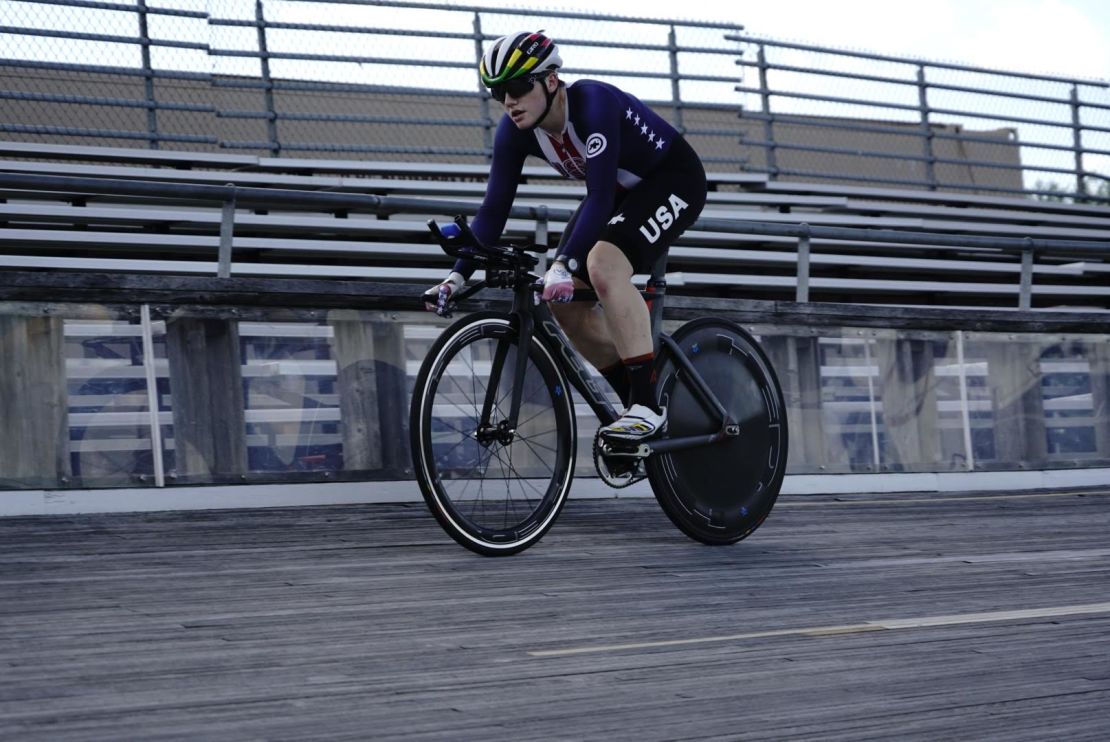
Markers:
<point>494,498</point>
<point>720,493</point>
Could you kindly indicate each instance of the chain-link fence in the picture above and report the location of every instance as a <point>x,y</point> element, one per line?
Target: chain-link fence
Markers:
<point>355,78</point>
<point>387,79</point>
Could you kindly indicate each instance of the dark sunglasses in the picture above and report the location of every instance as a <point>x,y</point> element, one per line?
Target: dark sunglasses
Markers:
<point>517,88</point>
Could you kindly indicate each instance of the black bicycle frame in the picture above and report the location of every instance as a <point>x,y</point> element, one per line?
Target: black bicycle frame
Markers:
<point>529,318</point>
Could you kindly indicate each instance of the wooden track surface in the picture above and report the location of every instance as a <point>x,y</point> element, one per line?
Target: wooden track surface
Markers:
<point>863,617</point>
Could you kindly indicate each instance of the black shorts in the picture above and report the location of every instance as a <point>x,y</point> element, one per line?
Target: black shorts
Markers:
<point>651,216</point>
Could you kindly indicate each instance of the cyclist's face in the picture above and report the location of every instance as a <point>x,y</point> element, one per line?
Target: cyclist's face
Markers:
<point>525,107</point>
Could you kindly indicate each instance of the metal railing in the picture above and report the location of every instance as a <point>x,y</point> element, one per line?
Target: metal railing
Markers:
<point>264,65</point>
<point>230,196</point>
<point>793,80</point>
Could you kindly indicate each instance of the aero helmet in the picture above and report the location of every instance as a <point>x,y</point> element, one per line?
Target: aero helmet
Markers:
<point>517,55</point>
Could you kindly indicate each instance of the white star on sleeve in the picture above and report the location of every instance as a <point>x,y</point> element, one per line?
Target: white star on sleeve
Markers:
<point>659,144</point>
<point>637,119</point>
<point>643,129</point>
<point>628,114</point>
<point>651,137</point>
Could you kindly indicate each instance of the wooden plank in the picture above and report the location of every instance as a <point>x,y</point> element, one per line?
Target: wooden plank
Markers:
<point>1029,214</point>
<point>34,435</point>
<point>208,405</point>
<point>922,196</point>
<point>1014,377</point>
<point>908,390</point>
<point>173,158</point>
<point>206,177</point>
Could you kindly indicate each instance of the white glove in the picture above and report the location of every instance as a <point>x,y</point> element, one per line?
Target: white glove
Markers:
<point>558,284</point>
<point>437,297</point>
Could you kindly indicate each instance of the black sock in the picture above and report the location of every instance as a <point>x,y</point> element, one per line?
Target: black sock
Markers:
<point>618,379</point>
<point>641,379</point>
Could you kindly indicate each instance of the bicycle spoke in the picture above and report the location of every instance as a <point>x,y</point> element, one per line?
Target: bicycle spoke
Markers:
<point>532,448</point>
<point>542,411</point>
<point>523,479</point>
<point>532,440</point>
<point>442,458</point>
<point>466,413</point>
<point>508,495</point>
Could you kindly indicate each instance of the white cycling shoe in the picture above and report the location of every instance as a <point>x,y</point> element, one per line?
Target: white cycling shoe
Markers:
<point>636,424</point>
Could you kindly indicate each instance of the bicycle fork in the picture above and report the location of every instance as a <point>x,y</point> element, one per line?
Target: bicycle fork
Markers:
<point>504,430</point>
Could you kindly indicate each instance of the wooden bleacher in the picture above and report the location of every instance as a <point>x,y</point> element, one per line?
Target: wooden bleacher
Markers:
<point>50,230</point>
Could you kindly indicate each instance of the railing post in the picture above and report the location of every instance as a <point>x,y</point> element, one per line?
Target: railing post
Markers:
<point>267,80</point>
<point>676,99</point>
<point>1025,296</point>
<point>152,396</point>
<point>802,294</point>
<point>1077,142</point>
<point>227,232</point>
<point>541,234</point>
<point>965,409</point>
<point>926,129</point>
<point>768,117</point>
<point>148,76</point>
<point>483,99</point>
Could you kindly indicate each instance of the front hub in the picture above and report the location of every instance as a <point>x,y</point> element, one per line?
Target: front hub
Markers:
<point>500,432</point>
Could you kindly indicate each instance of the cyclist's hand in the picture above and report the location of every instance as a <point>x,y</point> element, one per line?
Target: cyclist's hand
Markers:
<point>436,298</point>
<point>558,284</point>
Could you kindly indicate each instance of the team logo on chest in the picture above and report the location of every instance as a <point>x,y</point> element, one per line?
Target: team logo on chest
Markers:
<point>568,160</point>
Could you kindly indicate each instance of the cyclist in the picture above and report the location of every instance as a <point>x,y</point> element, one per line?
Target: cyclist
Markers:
<point>644,186</point>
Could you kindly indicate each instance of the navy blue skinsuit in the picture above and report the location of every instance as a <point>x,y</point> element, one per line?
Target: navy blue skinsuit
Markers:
<point>611,140</point>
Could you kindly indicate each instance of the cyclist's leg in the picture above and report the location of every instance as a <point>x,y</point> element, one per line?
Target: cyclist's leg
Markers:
<point>629,324</point>
<point>626,315</point>
<point>583,321</point>
<point>652,215</point>
<point>585,325</point>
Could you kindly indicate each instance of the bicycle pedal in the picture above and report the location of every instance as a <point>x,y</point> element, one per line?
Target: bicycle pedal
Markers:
<point>624,450</point>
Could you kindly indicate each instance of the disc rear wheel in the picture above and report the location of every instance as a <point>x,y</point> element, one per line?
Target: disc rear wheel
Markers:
<point>721,492</point>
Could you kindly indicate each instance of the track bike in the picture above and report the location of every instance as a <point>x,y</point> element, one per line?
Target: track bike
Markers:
<point>494,432</point>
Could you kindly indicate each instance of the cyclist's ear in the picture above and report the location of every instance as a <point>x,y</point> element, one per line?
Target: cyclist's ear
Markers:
<point>551,82</point>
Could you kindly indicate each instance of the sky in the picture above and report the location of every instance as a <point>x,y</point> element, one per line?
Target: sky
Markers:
<point>1069,37</point>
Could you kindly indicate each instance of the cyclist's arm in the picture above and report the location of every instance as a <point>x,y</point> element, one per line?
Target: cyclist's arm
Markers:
<point>601,119</point>
<point>509,153</point>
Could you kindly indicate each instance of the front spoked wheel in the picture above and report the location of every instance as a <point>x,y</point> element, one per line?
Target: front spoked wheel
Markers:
<point>495,486</point>
<point>719,493</point>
